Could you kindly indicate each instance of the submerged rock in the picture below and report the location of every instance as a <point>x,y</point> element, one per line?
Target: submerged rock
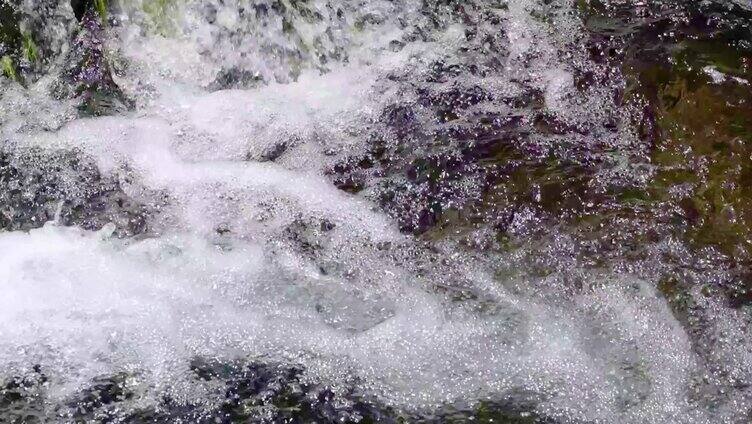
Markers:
<point>687,67</point>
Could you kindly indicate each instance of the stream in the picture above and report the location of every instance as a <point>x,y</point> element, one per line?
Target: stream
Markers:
<point>367,211</point>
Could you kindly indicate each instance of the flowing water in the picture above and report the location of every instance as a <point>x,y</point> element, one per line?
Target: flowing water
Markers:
<point>372,211</point>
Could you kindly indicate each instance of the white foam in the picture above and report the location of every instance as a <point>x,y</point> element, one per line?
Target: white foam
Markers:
<point>83,304</point>
<point>97,305</point>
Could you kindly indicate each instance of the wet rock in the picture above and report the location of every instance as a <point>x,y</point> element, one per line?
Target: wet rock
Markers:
<point>244,391</point>
<point>30,38</point>
<point>451,103</point>
<point>10,33</point>
<point>104,392</point>
<point>459,145</point>
<point>48,39</point>
<point>64,186</point>
<point>274,152</point>
<point>81,7</point>
<point>401,119</point>
<point>236,78</point>
<point>88,76</point>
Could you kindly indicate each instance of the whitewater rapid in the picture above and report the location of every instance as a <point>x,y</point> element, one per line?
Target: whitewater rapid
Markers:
<point>249,258</point>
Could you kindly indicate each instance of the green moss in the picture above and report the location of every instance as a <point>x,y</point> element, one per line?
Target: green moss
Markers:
<point>101,7</point>
<point>9,68</point>
<point>30,49</point>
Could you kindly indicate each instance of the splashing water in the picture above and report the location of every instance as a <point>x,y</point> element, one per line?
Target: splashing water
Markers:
<point>222,213</point>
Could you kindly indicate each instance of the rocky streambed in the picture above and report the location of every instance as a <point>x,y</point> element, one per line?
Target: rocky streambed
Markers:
<point>375,211</point>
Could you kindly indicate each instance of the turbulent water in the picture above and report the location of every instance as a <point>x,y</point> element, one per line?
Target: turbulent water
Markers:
<point>343,211</point>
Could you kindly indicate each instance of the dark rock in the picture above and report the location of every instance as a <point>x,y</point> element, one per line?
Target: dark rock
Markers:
<point>41,185</point>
